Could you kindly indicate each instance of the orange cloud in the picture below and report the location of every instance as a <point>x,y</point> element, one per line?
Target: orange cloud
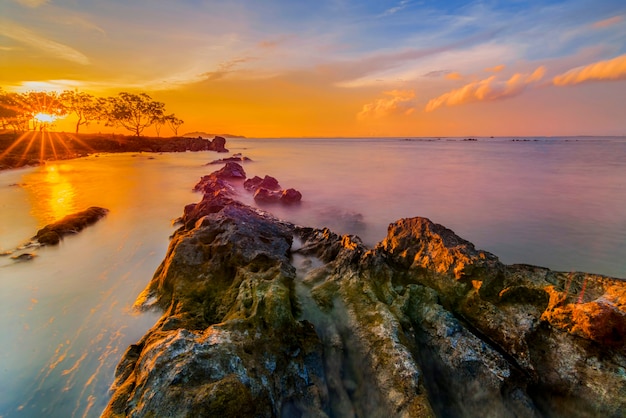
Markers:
<point>608,22</point>
<point>495,69</point>
<point>609,70</point>
<point>486,90</point>
<point>399,102</point>
<point>454,76</point>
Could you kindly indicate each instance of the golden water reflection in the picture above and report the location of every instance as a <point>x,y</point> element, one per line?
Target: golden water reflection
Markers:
<point>54,197</point>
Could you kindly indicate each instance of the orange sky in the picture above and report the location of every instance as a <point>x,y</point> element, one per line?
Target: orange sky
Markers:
<point>330,68</point>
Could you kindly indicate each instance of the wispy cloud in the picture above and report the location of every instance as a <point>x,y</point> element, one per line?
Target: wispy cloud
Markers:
<point>226,68</point>
<point>396,102</point>
<point>609,70</point>
<point>48,85</point>
<point>393,10</point>
<point>30,38</point>
<point>437,73</point>
<point>608,22</point>
<point>487,90</point>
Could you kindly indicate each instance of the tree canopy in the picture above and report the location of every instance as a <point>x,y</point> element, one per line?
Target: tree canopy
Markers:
<point>38,110</point>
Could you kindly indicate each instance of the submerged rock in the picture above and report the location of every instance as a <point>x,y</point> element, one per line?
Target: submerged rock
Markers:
<point>233,159</point>
<point>263,318</point>
<point>51,234</point>
<point>24,257</point>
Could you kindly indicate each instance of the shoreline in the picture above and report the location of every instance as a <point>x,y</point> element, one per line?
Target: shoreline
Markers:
<point>33,148</point>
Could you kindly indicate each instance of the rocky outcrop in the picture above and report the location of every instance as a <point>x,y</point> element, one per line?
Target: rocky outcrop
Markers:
<point>218,144</point>
<point>53,233</point>
<point>263,318</point>
<point>268,190</point>
<point>236,158</point>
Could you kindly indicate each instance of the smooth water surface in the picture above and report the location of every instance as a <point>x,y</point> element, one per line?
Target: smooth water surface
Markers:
<point>67,315</point>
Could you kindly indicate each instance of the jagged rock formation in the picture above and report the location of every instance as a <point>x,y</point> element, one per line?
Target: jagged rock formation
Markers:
<point>263,318</point>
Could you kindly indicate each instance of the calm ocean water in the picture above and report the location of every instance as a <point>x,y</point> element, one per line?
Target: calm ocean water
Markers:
<point>66,316</point>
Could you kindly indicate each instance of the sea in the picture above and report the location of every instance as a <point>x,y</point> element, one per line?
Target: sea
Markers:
<point>66,315</point>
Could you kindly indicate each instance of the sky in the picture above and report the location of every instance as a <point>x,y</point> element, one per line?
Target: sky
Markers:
<point>292,68</point>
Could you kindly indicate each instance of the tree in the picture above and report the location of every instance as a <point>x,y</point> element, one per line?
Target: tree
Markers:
<point>134,112</point>
<point>11,113</point>
<point>174,123</point>
<point>85,106</point>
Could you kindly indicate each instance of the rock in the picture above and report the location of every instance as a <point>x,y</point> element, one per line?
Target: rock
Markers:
<point>229,343</point>
<point>546,324</point>
<point>290,196</point>
<point>268,190</point>
<point>255,183</point>
<point>51,234</point>
<point>233,159</point>
<point>267,196</point>
<point>218,144</point>
<point>23,257</point>
<point>230,171</point>
<point>265,318</point>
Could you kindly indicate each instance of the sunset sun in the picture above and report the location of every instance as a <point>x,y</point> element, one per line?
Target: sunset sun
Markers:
<point>45,117</point>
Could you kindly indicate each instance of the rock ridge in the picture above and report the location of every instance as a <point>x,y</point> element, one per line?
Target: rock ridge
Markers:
<point>263,318</point>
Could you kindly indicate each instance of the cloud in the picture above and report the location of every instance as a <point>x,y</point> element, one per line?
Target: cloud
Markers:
<point>226,68</point>
<point>32,3</point>
<point>393,10</point>
<point>437,73</point>
<point>49,85</point>
<point>608,22</point>
<point>486,90</point>
<point>454,76</point>
<point>495,69</point>
<point>28,37</point>
<point>609,70</point>
<point>397,102</point>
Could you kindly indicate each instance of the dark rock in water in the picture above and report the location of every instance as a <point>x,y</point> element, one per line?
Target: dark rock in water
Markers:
<point>266,319</point>
<point>256,182</point>
<point>71,224</point>
<point>268,190</point>
<point>290,196</point>
<point>218,144</point>
<point>23,257</point>
<point>230,171</point>
<point>233,159</point>
<point>267,196</point>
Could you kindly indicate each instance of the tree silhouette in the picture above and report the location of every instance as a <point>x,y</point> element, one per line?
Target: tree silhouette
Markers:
<point>85,106</point>
<point>174,123</point>
<point>134,112</point>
